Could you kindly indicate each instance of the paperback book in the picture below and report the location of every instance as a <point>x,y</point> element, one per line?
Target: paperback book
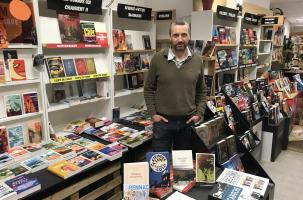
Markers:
<point>222,151</point>
<point>146,42</point>
<point>18,153</point>
<point>88,32</point>
<point>35,164</point>
<point>51,156</point>
<point>15,136</point>
<point>6,174</point>
<point>2,72</point>
<point>76,147</point>
<point>64,169</point>
<point>81,66</point>
<point>81,162</point>
<point>17,69</point>
<point>19,170</point>
<point>205,168</point>
<point>34,148</point>
<point>145,61</point>
<point>3,139</point>
<point>55,67</point>
<point>234,163</point>
<point>30,102</point>
<point>118,64</point>
<point>90,66</point>
<point>7,193</point>
<point>119,40</point>
<point>69,26</point>
<point>94,156</point>
<point>69,67</point>
<point>13,105</point>
<point>6,160</point>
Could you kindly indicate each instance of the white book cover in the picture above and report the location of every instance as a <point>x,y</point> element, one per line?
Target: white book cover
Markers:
<point>179,196</point>
<point>7,193</point>
<point>182,159</point>
<point>102,88</point>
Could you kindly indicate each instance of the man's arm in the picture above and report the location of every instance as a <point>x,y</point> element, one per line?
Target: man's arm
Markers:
<point>201,92</point>
<point>150,88</point>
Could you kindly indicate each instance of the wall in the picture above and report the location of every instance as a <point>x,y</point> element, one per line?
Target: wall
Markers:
<point>261,3</point>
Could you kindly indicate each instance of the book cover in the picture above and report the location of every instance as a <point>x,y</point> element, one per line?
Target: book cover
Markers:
<point>19,170</point>
<point>30,102</point>
<point>24,185</point>
<point>34,164</point>
<point>132,81</point>
<point>5,160</point>
<point>81,66</point>
<point>88,32</point>
<point>222,151</point>
<point>209,83</point>
<point>222,58</point>
<point>205,168</point>
<point>64,151</point>
<point>251,139</point>
<point>95,146</point>
<point>18,153</point>
<point>118,64</point>
<point>111,153</point>
<point>69,67</point>
<point>238,165</point>
<point>33,148</point>
<point>231,145</point>
<point>3,36</point>
<point>101,39</point>
<point>198,46</point>
<point>202,132</point>
<point>69,26</point>
<point>15,136</point>
<point>233,35</point>
<point>94,156</point>
<point>146,41</point>
<point>136,61</point>
<point>17,69</point>
<point>72,136</point>
<point>223,191</point>
<point>128,63</point>
<point>5,174</point>
<point>2,72</point>
<point>145,61</point>
<point>119,40</point>
<point>7,193</point>
<point>81,162</point>
<point>129,43</point>
<point>49,145</point>
<point>90,66</point>
<point>3,139</point>
<point>55,67</point>
<point>245,142</point>
<point>136,181</point>
<point>209,49</point>
<point>84,141</point>
<point>64,169</point>
<point>13,105</point>
<point>51,156</point>
<point>76,147</point>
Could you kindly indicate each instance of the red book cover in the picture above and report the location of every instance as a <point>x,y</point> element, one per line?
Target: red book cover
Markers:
<point>3,139</point>
<point>81,66</point>
<point>17,69</point>
<point>102,39</point>
<point>69,25</point>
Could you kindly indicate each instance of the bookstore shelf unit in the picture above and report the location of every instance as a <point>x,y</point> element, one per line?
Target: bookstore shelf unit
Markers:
<point>78,96</point>
<point>124,96</point>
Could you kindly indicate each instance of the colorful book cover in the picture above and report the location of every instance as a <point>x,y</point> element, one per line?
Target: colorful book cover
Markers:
<point>63,151</point>
<point>225,191</point>
<point>13,105</point>
<point>23,183</point>
<point>81,161</point>
<point>30,102</point>
<point>81,66</point>
<point>118,64</point>
<point>5,159</point>
<point>51,156</point>
<point>15,136</point>
<point>92,155</point>
<point>55,67</point>
<point>72,136</point>
<point>69,25</point>
<point>49,145</point>
<point>17,152</point>
<point>145,61</point>
<point>5,174</point>
<point>159,167</point>
<point>101,39</point>
<point>33,147</point>
<point>95,146</point>
<point>3,36</point>
<point>2,72</point>
<point>69,67</point>
<point>88,32</point>
<point>61,140</point>
<point>119,40</point>
<point>90,66</point>
<point>34,164</point>
<point>205,168</point>
<point>19,170</point>
<point>34,131</point>
<point>209,49</point>
<point>110,151</point>
<point>76,147</point>
<point>84,141</point>
<point>17,69</point>
<point>3,139</point>
<point>64,169</point>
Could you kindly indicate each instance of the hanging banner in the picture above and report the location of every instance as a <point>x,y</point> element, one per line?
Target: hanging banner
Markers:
<point>81,6</point>
<point>227,13</point>
<point>251,19</point>
<point>134,12</point>
<point>270,20</point>
<point>164,15</point>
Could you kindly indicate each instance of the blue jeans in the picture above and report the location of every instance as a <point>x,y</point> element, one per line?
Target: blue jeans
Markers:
<point>174,133</point>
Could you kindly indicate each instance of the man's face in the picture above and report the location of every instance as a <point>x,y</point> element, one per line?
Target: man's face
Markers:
<point>179,37</point>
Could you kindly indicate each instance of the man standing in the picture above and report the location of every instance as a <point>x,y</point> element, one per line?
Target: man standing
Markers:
<point>175,92</point>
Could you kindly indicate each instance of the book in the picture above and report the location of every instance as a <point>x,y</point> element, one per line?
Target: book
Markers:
<point>251,139</point>
<point>18,153</point>
<point>111,153</point>
<point>183,170</point>
<point>94,156</point>
<point>146,41</point>
<point>222,151</point>
<point>17,69</point>
<point>81,66</point>
<point>205,168</point>
<point>9,54</point>
<point>90,66</point>
<point>24,185</point>
<point>51,156</point>
<point>3,36</point>
<point>55,67</point>
<point>145,61</point>
<point>88,32</point>
<point>19,170</point>
<point>5,174</point>
<point>6,160</point>
<point>7,193</point>
<point>69,67</point>
<point>95,146</point>
<point>84,141</point>
<point>65,152</point>
<point>64,169</point>
<point>81,162</point>
<point>15,136</point>
<point>198,46</point>
<point>34,148</point>
<point>209,83</point>
<point>119,67</point>
<point>129,43</point>
<point>179,196</point>
<point>2,72</point>
<point>231,145</point>
<point>35,164</point>
<point>136,181</point>
<point>209,49</point>
<point>72,136</point>
<point>69,26</point>
<point>119,40</point>
<point>3,139</point>
<point>13,104</point>
<point>223,191</point>
<point>49,145</point>
<point>30,102</point>
<point>245,142</point>
<point>132,81</point>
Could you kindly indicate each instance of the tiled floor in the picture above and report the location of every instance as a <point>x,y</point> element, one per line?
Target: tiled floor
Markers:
<point>287,174</point>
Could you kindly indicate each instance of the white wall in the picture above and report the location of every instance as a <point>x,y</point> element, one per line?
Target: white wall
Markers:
<point>262,3</point>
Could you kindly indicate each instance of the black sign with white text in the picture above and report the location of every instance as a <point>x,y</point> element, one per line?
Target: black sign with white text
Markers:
<point>164,15</point>
<point>134,12</point>
<point>251,19</point>
<point>81,6</point>
<point>227,13</point>
<point>270,20</point>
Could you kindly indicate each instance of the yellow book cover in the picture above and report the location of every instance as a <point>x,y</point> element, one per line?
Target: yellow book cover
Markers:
<point>90,66</point>
<point>95,146</point>
<point>64,169</point>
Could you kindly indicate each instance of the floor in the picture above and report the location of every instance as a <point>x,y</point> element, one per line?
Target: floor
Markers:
<point>287,174</point>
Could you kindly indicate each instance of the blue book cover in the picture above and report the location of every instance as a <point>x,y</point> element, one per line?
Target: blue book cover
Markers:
<point>159,169</point>
<point>223,191</point>
<point>15,136</point>
<point>22,183</point>
<point>69,67</point>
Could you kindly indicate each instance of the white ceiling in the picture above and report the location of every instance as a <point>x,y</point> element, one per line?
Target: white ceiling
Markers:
<point>293,10</point>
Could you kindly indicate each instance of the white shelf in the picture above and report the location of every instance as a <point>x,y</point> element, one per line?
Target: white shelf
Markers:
<point>19,117</point>
<point>12,83</point>
<point>125,92</point>
<point>21,46</point>
<point>61,106</point>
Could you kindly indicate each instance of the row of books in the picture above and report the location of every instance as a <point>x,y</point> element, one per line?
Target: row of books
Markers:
<point>20,134</point>
<point>58,67</point>
<point>248,37</point>
<point>16,70</point>
<point>131,62</point>
<point>224,35</point>
<point>248,56</point>
<point>123,42</point>
<point>227,58</point>
<point>18,104</point>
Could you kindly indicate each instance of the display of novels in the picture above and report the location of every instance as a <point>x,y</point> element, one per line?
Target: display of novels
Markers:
<point>69,26</point>
<point>34,149</point>
<point>209,48</point>
<point>234,163</point>
<point>95,146</point>
<point>76,147</point>
<point>136,181</point>
<point>205,168</point>
<point>93,155</point>
<point>222,151</point>
<point>51,156</point>
<point>18,153</point>
<point>248,37</point>
<point>65,152</point>
<point>146,42</point>
<point>17,69</point>
<point>224,35</point>
<point>64,169</point>
<point>198,46</point>
<point>88,32</point>
<point>77,126</point>
<point>248,56</point>
<point>243,180</point>
<point>119,40</point>
<point>35,164</point>
<point>55,67</point>
<point>111,153</point>
<point>227,58</point>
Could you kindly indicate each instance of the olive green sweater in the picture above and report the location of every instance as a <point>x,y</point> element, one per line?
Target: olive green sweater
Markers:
<point>172,91</point>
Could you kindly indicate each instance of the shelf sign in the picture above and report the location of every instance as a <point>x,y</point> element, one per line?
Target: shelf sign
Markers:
<point>77,78</point>
<point>81,6</point>
<point>164,15</point>
<point>251,19</point>
<point>270,20</point>
<point>227,13</point>
<point>134,12</point>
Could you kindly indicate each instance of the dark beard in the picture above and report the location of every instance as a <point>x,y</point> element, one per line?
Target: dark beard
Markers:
<point>180,46</point>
